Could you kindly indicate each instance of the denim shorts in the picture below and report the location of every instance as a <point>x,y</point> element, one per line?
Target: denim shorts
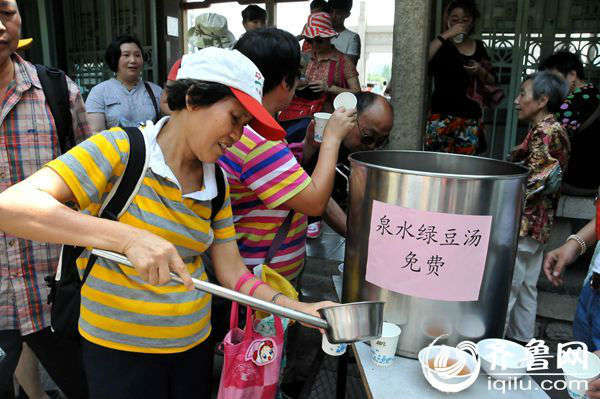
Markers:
<point>586,326</point>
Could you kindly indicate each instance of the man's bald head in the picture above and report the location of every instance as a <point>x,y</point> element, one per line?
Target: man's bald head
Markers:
<point>10,29</point>
<point>375,119</point>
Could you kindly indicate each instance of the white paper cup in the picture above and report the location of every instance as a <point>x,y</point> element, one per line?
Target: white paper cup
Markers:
<point>321,119</point>
<point>383,349</point>
<point>332,349</point>
<point>578,375</point>
<point>346,100</point>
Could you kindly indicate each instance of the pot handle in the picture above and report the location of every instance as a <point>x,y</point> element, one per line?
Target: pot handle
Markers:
<point>232,295</point>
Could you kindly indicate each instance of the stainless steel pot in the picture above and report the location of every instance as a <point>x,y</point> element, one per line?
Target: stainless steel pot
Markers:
<point>444,183</point>
<point>346,323</point>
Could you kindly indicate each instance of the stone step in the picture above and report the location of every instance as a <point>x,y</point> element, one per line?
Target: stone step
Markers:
<point>556,306</point>
<point>572,282</point>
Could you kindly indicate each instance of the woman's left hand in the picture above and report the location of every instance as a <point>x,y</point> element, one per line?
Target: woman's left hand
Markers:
<point>318,86</point>
<point>311,308</point>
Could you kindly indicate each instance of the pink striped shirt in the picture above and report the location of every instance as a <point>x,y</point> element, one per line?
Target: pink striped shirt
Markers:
<point>262,176</point>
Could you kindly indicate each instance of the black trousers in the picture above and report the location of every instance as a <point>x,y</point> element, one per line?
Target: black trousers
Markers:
<point>61,359</point>
<point>115,374</point>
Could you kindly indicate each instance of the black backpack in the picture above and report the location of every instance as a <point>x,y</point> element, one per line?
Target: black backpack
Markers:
<point>56,91</point>
<point>65,285</point>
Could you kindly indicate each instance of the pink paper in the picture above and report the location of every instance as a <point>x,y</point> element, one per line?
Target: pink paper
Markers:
<point>427,254</point>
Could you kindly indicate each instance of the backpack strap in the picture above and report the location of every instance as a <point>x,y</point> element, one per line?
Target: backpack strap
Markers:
<point>153,99</point>
<point>126,188</point>
<point>217,203</point>
<point>279,238</point>
<point>56,91</point>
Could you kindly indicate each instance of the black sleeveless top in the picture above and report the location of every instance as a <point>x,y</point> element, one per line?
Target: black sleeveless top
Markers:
<point>451,81</point>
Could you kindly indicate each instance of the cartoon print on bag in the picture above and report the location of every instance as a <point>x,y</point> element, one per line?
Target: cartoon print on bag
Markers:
<point>262,351</point>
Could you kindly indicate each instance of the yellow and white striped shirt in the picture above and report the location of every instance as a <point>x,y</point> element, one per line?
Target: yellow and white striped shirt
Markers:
<point>118,309</point>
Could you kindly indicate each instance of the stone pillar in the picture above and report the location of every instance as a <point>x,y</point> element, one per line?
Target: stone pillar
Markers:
<point>362,32</point>
<point>412,25</point>
<point>271,12</point>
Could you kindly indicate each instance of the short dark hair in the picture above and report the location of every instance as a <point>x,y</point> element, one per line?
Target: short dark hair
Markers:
<point>201,93</point>
<point>468,6</point>
<point>113,51</point>
<point>364,100</point>
<point>345,5</point>
<point>545,83</point>
<point>253,12</point>
<point>320,4</point>
<point>564,62</point>
<point>275,52</point>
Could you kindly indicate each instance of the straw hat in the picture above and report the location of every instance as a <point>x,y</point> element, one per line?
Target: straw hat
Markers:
<point>319,24</point>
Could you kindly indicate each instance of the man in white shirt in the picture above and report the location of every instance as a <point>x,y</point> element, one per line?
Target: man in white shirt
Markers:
<point>346,42</point>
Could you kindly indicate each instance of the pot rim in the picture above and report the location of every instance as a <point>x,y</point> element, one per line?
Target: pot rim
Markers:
<point>351,304</point>
<point>525,173</point>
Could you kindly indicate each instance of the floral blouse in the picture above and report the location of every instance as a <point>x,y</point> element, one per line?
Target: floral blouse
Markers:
<point>575,110</point>
<point>545,145</point>
<point>577,107</point>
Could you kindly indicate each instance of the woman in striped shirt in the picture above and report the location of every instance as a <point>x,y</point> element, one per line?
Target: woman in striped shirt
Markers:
<point>145,336</point>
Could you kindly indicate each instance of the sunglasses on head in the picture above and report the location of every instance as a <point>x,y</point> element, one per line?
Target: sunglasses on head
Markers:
<point>368,137</point>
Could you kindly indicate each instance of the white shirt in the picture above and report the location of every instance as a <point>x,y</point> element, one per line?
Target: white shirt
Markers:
<point>347,42</point>
<point>159,166</point>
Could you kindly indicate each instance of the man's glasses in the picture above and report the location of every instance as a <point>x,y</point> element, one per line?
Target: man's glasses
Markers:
<point>369,138</point>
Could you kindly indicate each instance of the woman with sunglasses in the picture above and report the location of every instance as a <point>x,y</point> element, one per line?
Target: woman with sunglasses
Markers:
<point>328,72</point>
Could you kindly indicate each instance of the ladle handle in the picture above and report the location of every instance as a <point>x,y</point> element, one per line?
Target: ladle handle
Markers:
<point>232,295</point>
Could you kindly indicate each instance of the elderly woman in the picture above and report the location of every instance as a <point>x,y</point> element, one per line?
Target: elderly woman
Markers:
<point>143,335</point>
<point>328,72</point>
<point>545,151</point>
<point>461,69</point>
<point>125,100</point>
<point>578,117</point>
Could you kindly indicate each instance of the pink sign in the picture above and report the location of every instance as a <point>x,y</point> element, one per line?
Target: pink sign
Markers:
<point>427,254</point>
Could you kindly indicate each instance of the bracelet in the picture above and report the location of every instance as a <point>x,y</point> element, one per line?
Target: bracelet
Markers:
<point>441,38</point>
<point>277,295</point>
<point>580,241</point>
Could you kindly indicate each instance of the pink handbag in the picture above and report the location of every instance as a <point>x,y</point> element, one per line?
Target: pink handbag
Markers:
<point>251,362</point>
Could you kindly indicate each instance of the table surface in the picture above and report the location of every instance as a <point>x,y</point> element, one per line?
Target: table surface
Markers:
<point>404,379</point>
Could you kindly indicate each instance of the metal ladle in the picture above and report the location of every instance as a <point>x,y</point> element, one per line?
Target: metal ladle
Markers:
<point>345,323</point>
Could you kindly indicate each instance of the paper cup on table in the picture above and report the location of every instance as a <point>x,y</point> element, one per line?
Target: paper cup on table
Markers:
<point>321,119</point>
<point>383,349</point>
<point>346,100</point>
<point>332,349</point>
<point>580,369</point>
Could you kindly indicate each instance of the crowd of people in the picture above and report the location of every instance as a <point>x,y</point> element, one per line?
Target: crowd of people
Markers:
<point>232,170</point>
